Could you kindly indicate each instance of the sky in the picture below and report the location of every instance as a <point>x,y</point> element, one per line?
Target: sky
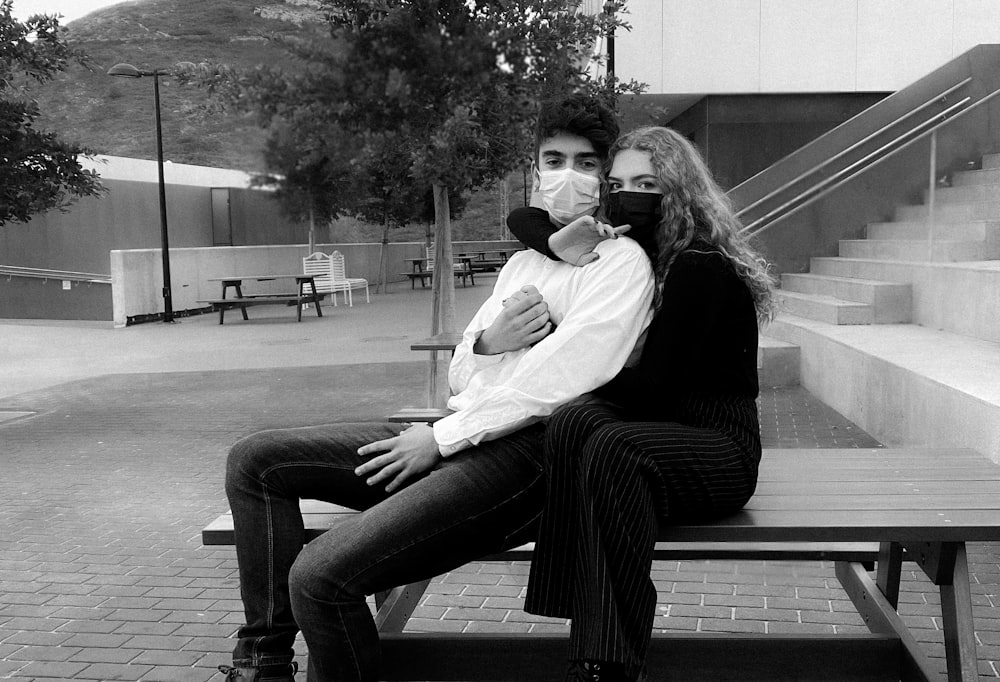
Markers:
<point>69,9</point>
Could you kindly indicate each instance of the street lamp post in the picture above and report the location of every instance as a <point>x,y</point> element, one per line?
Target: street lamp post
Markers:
<point>129,71</point>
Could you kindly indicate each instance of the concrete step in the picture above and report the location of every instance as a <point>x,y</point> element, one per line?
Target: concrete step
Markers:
<point>906,385</point>
<point>950,212</point>
<point>941,292</point>
<point>777,363</point>
<point>953,231</point>
<point>963,194</point>
<point>985,176</point>
<point>890,301</point>
<point>991,161</point>
<point>916,250</point>
<point>825,308</point>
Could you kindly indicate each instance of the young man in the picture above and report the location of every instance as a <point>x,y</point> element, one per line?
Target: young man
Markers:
<point>432,498</point>
<point>560,221</point>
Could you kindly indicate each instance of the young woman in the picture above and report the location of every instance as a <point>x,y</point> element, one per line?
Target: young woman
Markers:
<point>676,435</point>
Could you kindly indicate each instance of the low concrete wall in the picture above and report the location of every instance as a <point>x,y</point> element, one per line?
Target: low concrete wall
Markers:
<point>137,275</point>
<point>898,406</point>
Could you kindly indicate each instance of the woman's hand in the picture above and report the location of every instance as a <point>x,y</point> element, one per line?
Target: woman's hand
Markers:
<point>407,456</point>
<point>523,322</point>
<point>575,242</point>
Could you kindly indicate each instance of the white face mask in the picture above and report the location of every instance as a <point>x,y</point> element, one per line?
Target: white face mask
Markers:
<point>568,194</point>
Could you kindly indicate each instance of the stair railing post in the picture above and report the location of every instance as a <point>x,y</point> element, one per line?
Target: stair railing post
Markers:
<point>930,197</point>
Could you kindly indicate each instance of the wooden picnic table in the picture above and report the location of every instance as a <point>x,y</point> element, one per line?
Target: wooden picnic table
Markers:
<point>305,292</point>
<point>488,259</point>
<point>861,508</point>
<point>418,270</point>
<point>437,396</point>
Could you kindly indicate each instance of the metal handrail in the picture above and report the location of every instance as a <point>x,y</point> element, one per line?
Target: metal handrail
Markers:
<point>819,185</point>
<point>854,146</point>
<point>812,199</point>
<point>42,273</point>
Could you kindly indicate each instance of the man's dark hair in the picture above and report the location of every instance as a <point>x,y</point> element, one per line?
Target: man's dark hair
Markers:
<point>581,115</point>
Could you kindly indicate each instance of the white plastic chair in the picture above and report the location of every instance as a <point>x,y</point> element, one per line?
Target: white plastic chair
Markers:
<point>318,265</point>
<point>341,282</point>
<point>330,276</point>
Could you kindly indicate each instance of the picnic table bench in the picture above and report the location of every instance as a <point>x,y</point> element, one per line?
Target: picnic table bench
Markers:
<point>305,293</point>
<point>861,508</point>
<point>488,260</point>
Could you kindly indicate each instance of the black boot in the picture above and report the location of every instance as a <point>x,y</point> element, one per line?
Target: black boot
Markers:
<point>271,673</point>
<point>596,671</point>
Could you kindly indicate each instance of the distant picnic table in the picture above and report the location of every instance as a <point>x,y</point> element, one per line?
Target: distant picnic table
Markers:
<point>305,292</point>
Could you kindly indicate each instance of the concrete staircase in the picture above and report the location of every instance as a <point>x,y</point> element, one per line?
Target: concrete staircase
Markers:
<point>901,331</point>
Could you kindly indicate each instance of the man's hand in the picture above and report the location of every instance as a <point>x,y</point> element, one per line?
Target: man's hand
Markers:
<point>524,321</point>
<point>410,454</point>
<point>575,242</point>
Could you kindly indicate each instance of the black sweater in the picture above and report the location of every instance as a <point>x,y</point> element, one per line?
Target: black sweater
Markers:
<point>699,363</point>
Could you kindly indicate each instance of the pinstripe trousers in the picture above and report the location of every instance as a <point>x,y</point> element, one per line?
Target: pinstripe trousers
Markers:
<point>610,485</point>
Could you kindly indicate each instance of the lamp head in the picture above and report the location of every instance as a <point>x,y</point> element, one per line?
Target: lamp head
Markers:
<point>125,71</point>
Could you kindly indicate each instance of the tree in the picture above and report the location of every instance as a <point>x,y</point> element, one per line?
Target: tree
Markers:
<point>38,171</point>
<point>310,170</point>
<point>441,94</point>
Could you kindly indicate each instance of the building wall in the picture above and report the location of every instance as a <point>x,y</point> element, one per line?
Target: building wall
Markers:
<point>128,217</point>
<point>785,46</point>
<point>741,135</point>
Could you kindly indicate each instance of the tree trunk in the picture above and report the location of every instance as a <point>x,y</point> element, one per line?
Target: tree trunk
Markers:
<point>383,266</point>
<point>312,233</point>
<point>502,187</point>
<point>443,284</point>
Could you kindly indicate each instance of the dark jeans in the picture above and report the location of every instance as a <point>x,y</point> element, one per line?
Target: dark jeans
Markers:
<point>478,501</point>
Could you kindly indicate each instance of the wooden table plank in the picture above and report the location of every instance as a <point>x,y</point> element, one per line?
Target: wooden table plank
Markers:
<point>876,487</point>
<point>439,342</point>
<point>955,525</point>
<point>918,501</point>
<point>697,657</point>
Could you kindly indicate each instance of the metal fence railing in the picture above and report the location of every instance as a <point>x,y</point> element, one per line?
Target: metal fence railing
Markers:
<point>10,271</point>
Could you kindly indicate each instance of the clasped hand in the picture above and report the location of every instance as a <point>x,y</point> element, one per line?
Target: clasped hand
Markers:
<point>524,321</point>
<point>405,457</point>
<point>575,243</point>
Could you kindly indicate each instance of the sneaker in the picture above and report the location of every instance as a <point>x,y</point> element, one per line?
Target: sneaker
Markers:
<point>595,671</point>
<point>271,673</point>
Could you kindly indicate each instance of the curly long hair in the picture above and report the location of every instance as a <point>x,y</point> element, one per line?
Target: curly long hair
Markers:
<point>696,211</point>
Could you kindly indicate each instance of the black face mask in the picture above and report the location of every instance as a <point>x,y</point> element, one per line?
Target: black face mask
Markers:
<point>642,210</point>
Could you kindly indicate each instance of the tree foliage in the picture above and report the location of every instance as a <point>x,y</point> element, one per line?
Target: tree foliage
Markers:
<point>406,94</point>
<point>423,94</point>
<point>38,171</point>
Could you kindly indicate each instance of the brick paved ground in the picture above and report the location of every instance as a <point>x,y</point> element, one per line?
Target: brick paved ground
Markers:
<point>104,491</point>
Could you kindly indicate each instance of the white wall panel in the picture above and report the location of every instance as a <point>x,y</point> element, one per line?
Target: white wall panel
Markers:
<point>711,45</point>
<point>808,45</point>
<point>639,53</point>
<point>740,46</point>
<point>976,22</point>
<point>900,41</point>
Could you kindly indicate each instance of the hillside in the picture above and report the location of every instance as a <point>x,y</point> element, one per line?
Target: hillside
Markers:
<point>115,115</point>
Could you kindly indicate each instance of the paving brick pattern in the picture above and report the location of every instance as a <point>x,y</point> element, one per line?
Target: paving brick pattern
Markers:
<point>107,483</point>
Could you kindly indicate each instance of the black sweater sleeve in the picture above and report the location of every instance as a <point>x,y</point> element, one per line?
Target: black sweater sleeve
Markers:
<point>533,228</point>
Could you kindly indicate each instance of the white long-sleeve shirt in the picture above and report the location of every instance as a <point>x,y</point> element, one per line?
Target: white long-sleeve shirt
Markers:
<point>599,311</point>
